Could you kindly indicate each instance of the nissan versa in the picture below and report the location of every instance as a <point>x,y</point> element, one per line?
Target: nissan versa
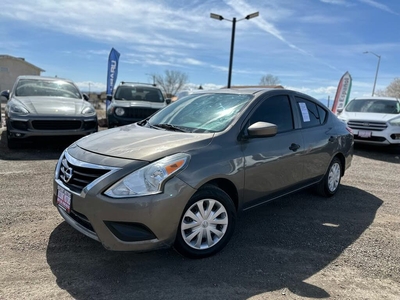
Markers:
<point>181,177</point>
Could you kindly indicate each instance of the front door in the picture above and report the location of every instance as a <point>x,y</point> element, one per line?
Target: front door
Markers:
<point>273,165</point>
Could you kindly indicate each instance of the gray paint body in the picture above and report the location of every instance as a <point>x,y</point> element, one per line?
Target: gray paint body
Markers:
<point>255,170</point>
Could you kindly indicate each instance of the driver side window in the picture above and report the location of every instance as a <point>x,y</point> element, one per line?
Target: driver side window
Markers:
<point>276,110</point>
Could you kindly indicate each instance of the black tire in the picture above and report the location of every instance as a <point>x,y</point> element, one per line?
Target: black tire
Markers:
<point>203,240</point>
<point>329,185</point>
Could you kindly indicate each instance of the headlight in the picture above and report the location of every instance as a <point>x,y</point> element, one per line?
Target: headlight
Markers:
<point>149,179</point>
<point>119,111</point>
<point>395,122</point>
<point>19,109</point>
<point>88,110</point>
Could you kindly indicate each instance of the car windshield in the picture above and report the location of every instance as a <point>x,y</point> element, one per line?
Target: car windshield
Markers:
<point>138,94</point>
<point>46,88</point>
<point>208,112</point>
<point>374,106</point>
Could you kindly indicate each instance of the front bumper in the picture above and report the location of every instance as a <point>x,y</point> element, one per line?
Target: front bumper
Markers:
<point>23,128</point>
<point>389,136</point>
<point>131,224</point>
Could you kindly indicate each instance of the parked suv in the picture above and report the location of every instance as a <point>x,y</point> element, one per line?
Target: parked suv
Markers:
<point>133,102</point>
<point>374,120</point>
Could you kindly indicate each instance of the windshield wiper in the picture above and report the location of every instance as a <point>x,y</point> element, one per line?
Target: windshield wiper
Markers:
<point>143,122</point>
<point>169,127</point>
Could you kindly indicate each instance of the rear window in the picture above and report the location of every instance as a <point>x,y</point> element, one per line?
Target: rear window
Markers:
<point>312,114</point>
<point>131,93</point>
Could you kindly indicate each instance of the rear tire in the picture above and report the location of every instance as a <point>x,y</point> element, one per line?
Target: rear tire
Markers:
<point>329,185</point>
<point>207,223</point>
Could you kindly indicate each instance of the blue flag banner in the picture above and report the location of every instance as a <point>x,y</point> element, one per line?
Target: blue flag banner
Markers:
<point>112,72</point>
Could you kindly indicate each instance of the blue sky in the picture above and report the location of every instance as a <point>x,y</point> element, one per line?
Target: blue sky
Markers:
<point>308,44</point>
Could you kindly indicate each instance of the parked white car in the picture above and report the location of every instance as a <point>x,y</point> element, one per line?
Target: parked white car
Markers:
<point>373,120</point>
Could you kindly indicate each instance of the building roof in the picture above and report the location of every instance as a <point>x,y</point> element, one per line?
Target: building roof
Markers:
<point>21,59</point>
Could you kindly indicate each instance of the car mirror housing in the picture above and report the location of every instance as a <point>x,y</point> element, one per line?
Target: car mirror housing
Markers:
<point>86,97</point>
<point>109,97</point>
<point>5,94</point>
<point>168,100</point>
<point>262,129</point>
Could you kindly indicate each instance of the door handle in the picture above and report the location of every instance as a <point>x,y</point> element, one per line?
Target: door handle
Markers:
<point>294,147</point>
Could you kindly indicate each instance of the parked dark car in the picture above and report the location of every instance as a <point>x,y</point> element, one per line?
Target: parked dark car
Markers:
<point>133,102</point>
<point>182,176</point>
<point>46,106</point>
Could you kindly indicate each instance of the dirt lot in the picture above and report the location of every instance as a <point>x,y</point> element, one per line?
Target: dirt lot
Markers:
<point>301,247</point>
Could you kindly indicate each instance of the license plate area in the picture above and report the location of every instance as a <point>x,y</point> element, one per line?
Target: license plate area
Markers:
<point>64,199</point>
<point>364,134</point>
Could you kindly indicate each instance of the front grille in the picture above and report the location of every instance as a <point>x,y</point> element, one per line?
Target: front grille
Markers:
<point>139,112</point>
<point>56,124</point>
<point>367,125</point>
<point>90,125</point>
<point>76,177</point>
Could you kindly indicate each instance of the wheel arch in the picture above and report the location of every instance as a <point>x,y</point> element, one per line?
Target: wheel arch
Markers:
<point>228,187</point>
<point>342,159</point>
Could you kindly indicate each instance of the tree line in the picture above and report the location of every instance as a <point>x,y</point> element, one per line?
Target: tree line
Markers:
<point>171,82</point>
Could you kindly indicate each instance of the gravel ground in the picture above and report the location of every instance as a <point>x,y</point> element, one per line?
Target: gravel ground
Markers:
<point>300,247</point>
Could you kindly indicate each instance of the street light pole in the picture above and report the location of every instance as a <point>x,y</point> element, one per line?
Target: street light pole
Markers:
<point>377,70</point>
<point>231,55</point>
<point>220,18</point>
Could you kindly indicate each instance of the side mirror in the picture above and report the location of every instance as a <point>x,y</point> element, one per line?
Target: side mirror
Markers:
<point>5,94</point>
<point>168,100</point>
<point>109,97</point>
<point>262,129</point>
<point>86,97</point>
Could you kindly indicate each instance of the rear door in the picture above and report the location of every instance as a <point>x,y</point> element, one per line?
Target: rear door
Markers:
<point>273,165</point>
<point>319,138</point>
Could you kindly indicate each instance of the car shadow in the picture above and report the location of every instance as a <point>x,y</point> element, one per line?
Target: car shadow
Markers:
<point>276,246</point>
<point>383,153</point>
<point>37,149</point>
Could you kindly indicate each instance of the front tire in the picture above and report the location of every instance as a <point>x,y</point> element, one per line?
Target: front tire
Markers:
<point>329,185</point>
<point>207,223</point>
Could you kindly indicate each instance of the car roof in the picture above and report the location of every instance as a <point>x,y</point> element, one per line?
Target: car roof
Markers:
<point>42,77</point>
<point>376,98</point>
<point>127,83</point>
<point>234,90</point>
<point>252,90</point>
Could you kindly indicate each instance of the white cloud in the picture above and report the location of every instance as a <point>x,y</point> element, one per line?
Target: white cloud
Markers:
<point>379,6</point>
<point>337,2</point>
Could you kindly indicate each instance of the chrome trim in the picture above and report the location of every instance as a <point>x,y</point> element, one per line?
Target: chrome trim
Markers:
<point>57,170</point>
<point>76,225</point>
<point>84,164</point>
<point>61,183</point>
<point>87,188</point>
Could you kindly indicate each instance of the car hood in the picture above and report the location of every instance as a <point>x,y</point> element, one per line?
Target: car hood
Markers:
<point>140,103</point>
<point>142,143</point>
<point>362,116</point>
<point>52,105</point>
